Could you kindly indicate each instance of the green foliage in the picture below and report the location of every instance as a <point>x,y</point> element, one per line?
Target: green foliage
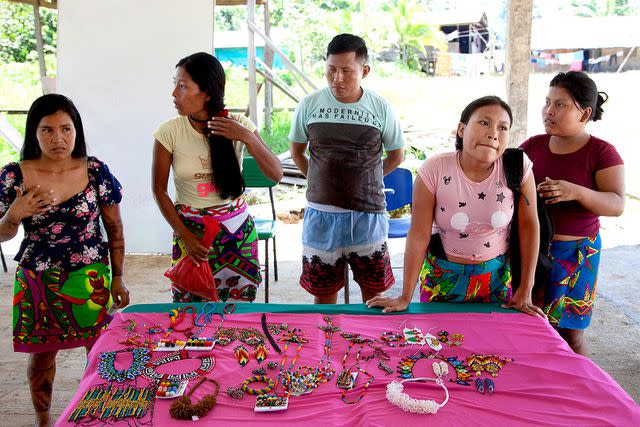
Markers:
<point>604,7</point>
<point>411,32</point>
<point>277,139</point>
<point>7,152</point>
<point>230,18</point>
<point>17,32</point>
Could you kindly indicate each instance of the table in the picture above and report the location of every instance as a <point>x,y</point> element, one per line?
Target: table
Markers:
<point>544,384</point>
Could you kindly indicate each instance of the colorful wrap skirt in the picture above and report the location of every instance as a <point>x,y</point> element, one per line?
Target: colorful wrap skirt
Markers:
<point>446,281</point>
<point>55,309</point>
<point>233,256</point>
<point>569,300</point>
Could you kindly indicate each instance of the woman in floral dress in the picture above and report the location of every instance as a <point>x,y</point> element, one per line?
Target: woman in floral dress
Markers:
<point>64,283</point>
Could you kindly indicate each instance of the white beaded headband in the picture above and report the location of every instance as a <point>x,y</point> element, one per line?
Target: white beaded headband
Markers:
<point>396,396</point>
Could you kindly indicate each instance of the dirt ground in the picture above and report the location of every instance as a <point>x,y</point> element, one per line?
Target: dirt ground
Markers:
<point>614,337</point>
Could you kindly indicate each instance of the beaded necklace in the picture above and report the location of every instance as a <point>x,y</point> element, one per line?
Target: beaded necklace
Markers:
<point>207,311</point>
<point>306,379</point>
<point>346,373</point>
<point>183,409</point>
<point>206,365</point>
<point>176,315</point>
<point>108,371</point>
<point>283,375</point>
<point>267,333</point>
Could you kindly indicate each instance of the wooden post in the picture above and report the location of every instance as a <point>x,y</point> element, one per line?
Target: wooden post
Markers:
<point>39,42</point>
<point>213,32</point>
<point>253,87</point>
<point>626,58</point>
<point>518,59</point>
<point>268,59</point>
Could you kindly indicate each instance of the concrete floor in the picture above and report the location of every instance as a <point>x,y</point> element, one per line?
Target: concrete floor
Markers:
<point>614,337</point>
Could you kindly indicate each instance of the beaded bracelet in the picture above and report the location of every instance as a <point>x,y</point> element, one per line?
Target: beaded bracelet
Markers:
<point>397,397</point>
<point>258,379</point>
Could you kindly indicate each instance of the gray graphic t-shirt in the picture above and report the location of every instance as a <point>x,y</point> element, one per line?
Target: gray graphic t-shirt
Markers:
<point>345,146</point>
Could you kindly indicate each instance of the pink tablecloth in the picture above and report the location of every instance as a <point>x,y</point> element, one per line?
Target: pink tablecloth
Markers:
<point>546,384</point>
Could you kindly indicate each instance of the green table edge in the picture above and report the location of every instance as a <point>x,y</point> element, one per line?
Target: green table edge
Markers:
<point>245,307</point>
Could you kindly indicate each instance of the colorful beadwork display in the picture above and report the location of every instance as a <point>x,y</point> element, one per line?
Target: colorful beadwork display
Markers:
<point>450,339</point>
<point>235,392</point>
<point>169,345</point>
<point>170,389</point>
<point>393,339</point>
<point>111,402</point>
<point>199,344</point>
<point>490,363</point>
<point>251,336</point>
<point>242,355</point>
<point>260,352</point>
<point>258,379</point>
<point>406,364</point>
<point>206,365</point>
<point>108,371</point>
<point>271,402</point>
<point>413,336</point>
<point>225,336</point>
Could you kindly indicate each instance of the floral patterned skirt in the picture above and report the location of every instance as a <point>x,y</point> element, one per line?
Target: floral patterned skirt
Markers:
<point>56,309</point>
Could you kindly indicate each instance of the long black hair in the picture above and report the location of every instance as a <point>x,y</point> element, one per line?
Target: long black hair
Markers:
<point>583,90</point>
<point>47,105</point>
<point>207,72</point>
<point>479,103</point>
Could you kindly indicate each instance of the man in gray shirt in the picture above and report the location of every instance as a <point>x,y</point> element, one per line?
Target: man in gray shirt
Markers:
<point>345,128</point>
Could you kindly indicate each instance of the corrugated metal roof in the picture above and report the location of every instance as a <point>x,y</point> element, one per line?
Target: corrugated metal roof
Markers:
<point>585,33</point>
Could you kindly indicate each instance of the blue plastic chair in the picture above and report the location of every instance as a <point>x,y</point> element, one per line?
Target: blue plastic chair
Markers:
<point>398,193</point>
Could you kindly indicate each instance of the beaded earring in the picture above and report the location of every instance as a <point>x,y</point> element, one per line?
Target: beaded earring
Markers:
<point>260,352</point>
<point>241,354</point>
<point>490,363</point>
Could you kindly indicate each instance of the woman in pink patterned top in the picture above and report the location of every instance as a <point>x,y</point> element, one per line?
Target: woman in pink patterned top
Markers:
<point>463,195</point>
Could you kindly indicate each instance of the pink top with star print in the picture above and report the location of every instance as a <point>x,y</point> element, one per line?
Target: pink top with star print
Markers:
<point>473,218</point>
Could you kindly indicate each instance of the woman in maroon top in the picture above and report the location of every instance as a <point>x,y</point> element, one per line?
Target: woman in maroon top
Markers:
<point>580,177</point>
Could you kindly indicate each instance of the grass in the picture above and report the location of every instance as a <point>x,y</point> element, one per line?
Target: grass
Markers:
<point>277,138</point>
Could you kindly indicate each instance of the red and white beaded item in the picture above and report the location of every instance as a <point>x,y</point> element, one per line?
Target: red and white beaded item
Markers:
<point>396,395</point>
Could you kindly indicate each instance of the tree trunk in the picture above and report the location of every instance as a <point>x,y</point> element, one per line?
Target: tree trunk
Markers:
<point>268,59</point>
<point>39,42</point>
<point>518,60</point>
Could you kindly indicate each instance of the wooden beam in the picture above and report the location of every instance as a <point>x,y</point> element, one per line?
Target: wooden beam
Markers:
<point>518,65</point>
<point>237,2</point>
<point>268,59</point>
<point>626,58</point>
<point>268,74</point>
<point>291,65</point>
<point>39,42</point>
<point>251,47</point>
<point>51,4</point>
